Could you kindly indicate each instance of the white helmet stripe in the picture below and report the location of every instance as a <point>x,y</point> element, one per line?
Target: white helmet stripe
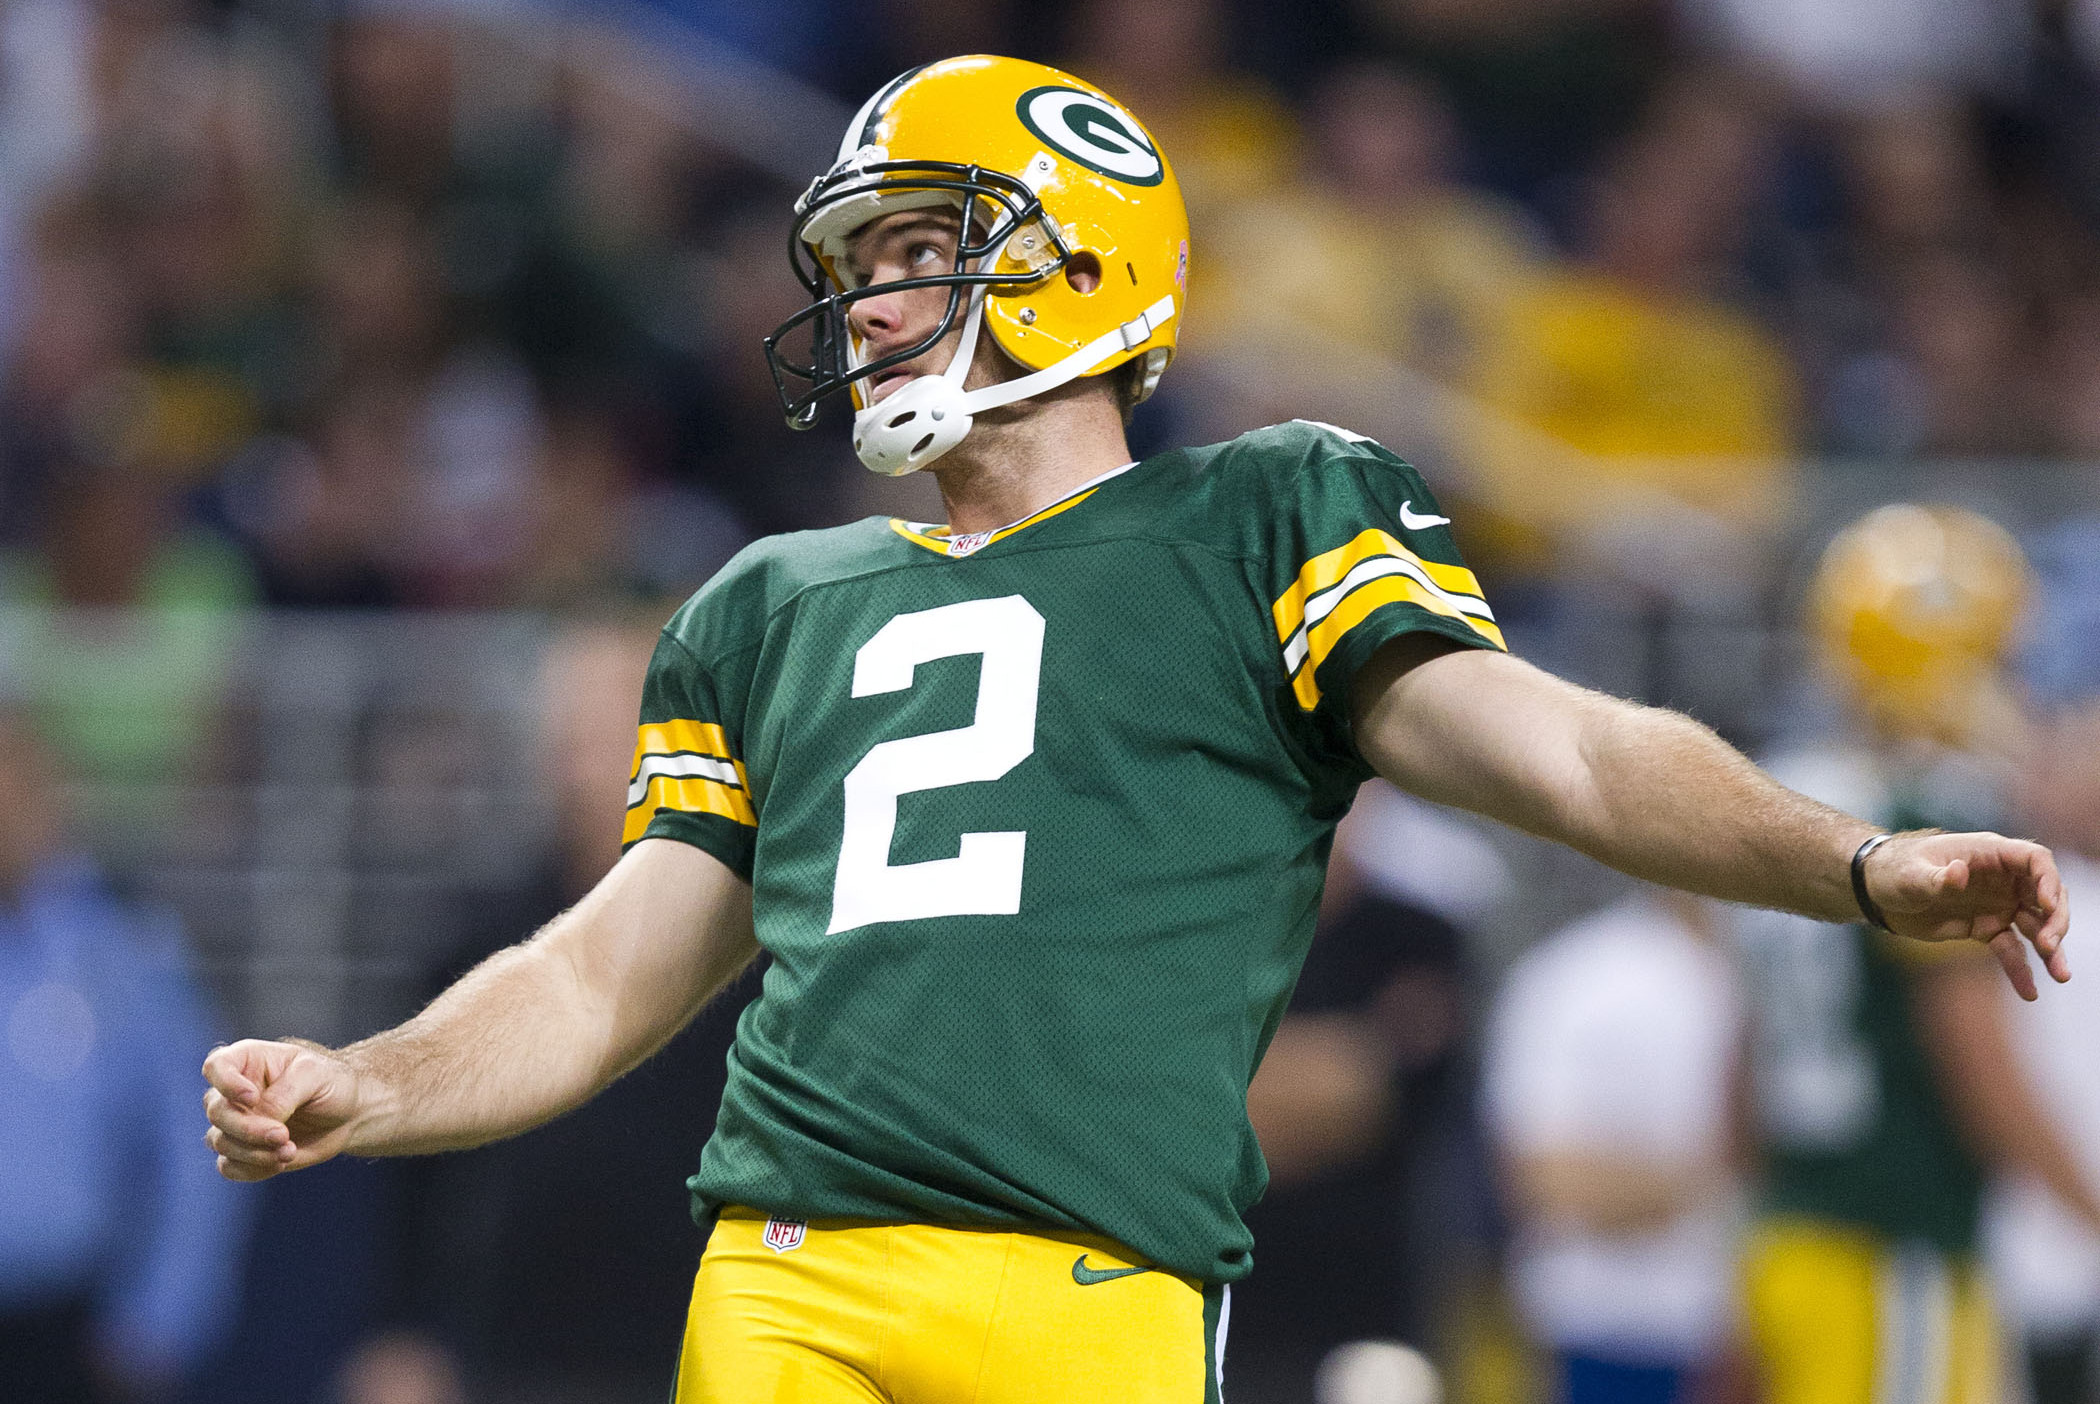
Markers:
<point>861,130</point>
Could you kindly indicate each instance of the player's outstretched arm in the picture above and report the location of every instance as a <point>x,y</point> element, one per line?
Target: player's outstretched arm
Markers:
<point>1657,795</point>
<point>526,1035</point>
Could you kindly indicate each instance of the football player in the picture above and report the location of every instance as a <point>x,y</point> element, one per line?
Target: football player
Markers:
<point>1885,1081</point>
<point>1031,808</point>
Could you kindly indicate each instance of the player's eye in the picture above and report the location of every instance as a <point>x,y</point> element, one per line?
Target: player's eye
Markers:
<point>920,255</point>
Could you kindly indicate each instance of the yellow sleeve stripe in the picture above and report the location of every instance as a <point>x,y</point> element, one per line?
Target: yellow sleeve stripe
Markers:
<point>1336,591</point>
<point>1320,640</point>
<point>670,737</point>
<point>687,796</point>
<point>1329,569</point>
<point>685,766</point>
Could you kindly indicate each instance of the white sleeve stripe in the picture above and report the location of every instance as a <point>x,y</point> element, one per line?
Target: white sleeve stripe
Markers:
<point>1323,604</point>
<point>681,768</point>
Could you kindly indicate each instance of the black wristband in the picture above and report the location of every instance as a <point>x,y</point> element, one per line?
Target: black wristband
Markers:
<point>1868,908</point>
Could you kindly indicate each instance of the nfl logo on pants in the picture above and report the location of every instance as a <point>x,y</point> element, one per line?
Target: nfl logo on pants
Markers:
<point>783,1234</point>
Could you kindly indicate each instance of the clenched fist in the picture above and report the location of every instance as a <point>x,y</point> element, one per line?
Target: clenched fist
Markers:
<point>277,1106</point>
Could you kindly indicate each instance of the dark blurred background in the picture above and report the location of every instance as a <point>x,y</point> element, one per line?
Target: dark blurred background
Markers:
<point>375,378</point>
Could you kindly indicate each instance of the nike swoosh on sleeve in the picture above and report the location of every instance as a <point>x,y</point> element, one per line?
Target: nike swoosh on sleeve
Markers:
<point>1415,521</point>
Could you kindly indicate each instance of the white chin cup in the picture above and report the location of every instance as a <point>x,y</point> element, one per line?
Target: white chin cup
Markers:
<point>911,426</point>
<point>929,414</point>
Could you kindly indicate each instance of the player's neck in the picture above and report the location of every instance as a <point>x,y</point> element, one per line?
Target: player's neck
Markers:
<point>1018,461</point>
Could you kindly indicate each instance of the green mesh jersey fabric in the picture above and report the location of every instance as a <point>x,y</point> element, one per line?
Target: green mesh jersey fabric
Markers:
<point>1036,824</point>
<point>1858,1131</point>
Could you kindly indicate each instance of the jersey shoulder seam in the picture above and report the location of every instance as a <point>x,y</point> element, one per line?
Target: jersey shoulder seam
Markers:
<point>799,591</point>
<point>689,651</point>
<point>752,644</point>
<point>1279,470</point>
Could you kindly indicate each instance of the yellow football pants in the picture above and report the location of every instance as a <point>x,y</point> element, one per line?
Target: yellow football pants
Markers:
<point>913,1314</point>
<point>1838,1315</point>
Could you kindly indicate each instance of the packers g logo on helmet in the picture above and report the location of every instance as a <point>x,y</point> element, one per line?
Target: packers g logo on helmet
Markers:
<point>1095,133</point>
<point>1041,168</point>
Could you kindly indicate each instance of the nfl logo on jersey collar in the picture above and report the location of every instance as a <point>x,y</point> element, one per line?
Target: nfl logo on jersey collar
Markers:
<point>969,542</point>
<point>784,1235</point>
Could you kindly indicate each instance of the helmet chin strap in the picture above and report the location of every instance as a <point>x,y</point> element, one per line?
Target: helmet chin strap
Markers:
<point>928,415</point>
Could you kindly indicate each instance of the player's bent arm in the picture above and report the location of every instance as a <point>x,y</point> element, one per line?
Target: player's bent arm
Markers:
<point>1611,1194</point>
<point>528,1034</point>
<point>1969,1041</point>
<point>1655,794</point>
<point>1322,1095</point>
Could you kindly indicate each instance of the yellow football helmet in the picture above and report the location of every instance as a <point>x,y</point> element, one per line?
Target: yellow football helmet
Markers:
<point>1916,609</point>
<point>1044,169</point>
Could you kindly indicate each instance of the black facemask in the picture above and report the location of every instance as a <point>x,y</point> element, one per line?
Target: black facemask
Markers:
<point>813,347</point>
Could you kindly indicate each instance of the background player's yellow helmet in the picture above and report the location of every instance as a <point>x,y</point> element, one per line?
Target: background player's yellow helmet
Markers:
<point>1916,609</point>
<point>1046,170</point>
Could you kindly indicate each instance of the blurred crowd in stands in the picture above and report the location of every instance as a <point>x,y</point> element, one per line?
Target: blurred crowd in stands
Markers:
<point>450,305</point>
<point>447,306</point>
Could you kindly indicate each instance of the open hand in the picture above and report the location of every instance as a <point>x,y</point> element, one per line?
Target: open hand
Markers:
<point>276,1106</point>
<point>1976,887</point>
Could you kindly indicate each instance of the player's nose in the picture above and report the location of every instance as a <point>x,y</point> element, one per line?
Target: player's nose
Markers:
<point>877,319</point>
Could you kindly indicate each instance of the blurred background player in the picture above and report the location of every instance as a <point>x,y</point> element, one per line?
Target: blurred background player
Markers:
<point>1362,1107</point>
<point>118,1258</point>
<point>2044,1254</point>
<point>2045,1259</point>
<point>1885,1082</point>
<point>1609,1091</point>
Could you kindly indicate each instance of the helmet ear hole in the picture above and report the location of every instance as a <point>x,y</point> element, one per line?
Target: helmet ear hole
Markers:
<point>1083,272</point>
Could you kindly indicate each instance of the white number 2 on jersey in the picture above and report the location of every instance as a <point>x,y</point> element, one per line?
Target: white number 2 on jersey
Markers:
<point>984,878</point>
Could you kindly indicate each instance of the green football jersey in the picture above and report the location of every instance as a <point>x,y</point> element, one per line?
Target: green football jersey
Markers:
<point>1036,823</point>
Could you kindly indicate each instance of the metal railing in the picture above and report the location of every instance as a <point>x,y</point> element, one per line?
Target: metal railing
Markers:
<point>354,785</point>
<point>341,798</point>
